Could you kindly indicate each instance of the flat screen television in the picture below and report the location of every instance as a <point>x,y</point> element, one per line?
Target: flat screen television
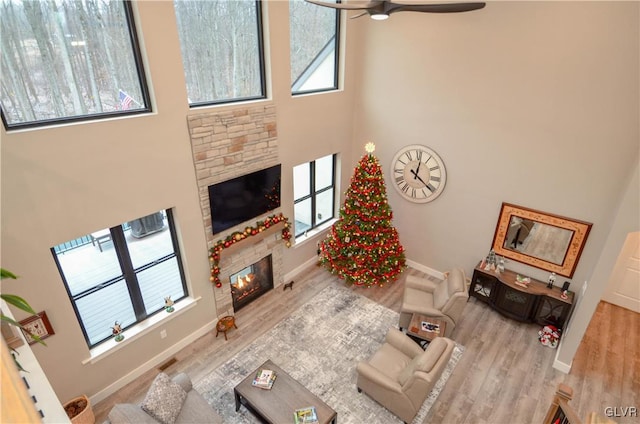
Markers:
<point>243,198</point>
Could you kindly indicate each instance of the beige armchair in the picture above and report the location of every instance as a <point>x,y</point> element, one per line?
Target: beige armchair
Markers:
<point>444,300</point>
<point>400,375</point>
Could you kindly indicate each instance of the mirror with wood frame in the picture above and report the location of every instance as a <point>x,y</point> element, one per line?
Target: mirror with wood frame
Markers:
<point>539,239</point>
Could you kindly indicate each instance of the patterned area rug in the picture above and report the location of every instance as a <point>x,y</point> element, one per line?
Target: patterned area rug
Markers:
<point>330,334</point>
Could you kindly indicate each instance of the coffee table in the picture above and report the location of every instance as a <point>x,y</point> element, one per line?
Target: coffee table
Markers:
<point>276,406</point>
<point>415,327</point>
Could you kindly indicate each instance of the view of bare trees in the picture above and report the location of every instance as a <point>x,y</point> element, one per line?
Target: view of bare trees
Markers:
<point>65,59</point>
<point>311,28</point>
<point>221,49</point>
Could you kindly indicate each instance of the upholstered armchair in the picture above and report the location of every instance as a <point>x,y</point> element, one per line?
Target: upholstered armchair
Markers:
<point>400,375</point>
<point>444,300</point>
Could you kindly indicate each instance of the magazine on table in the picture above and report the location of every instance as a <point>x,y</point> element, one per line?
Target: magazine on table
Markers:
<point>305,415</point>
<point>430,327</point>
<point>264,379</point>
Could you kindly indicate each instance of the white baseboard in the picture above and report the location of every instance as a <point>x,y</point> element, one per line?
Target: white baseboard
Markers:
<point>311,262</point>
<point>425,269</point>
<point>151,363</point>
<point>561,366</point>
<point>300,269</point>
<point>168,353</point>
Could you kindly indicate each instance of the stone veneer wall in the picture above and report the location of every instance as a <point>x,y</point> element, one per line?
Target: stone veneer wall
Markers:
<point>226,145</point>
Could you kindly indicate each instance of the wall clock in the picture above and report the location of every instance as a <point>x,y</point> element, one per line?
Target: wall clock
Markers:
<point>418,173</point>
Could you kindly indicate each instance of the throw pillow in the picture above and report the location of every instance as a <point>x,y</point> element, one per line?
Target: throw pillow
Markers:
<point>164,399</point>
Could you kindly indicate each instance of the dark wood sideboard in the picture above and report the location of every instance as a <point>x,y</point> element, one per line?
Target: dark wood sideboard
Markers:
<point>535,303</point>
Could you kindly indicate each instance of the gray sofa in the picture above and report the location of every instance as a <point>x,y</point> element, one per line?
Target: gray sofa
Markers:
<point>167,403</point>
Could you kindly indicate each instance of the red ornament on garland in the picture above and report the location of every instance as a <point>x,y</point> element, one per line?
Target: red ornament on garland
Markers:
<point>214,252</point>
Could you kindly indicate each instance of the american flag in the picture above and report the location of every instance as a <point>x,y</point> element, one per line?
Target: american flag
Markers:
<point>125,100</point>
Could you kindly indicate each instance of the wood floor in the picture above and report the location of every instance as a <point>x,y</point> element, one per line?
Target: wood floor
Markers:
<point>505,375</point>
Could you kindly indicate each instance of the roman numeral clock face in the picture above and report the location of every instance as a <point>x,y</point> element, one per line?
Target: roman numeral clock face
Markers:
<point>418,174</point>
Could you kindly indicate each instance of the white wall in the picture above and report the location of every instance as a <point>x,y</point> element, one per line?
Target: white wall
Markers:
<point>532,103</point>
<point>627,220</point>
<point>63,182</point>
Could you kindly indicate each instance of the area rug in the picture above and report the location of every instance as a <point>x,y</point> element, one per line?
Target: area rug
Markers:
<point>319,345</point>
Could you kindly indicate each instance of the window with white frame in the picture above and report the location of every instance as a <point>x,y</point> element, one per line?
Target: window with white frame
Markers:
<point>314,193</point>
<point>222,50</point>
<point>69,60</point>
<point>121,274</point>
<point>314,40</point>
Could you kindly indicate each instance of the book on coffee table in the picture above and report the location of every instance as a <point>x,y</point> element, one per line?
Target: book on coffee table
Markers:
<point>264,379</point>
<point>306,415</point>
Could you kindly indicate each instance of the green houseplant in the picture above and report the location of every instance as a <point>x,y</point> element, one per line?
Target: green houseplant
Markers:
<point>19,303</point>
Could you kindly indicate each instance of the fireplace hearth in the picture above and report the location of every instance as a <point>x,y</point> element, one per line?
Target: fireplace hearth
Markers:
<point>251,282</point>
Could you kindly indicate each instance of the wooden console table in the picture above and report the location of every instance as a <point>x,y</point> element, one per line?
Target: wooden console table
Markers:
<point>535,303</point>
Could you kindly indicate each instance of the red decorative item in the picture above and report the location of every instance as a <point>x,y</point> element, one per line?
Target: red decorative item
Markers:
<point>214,252</point>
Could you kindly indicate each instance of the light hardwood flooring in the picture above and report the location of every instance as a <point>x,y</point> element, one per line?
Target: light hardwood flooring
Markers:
<point>504,376</point>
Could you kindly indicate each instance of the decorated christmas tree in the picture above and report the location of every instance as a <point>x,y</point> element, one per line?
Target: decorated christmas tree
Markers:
<point>363,247</point>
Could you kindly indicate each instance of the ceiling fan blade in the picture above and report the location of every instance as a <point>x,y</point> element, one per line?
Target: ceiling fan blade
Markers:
<point>434,8</point>
<point>359,15</point>
<point>345,6</point>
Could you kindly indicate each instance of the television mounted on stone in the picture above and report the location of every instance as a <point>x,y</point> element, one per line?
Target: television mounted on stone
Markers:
<point>244,198</point>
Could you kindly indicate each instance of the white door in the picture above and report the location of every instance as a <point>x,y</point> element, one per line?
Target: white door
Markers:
<point>624,284</point>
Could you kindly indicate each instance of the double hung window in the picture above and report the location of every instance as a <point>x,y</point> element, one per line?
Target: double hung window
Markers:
<point>314,193</point>
<point>69,60</point>
<point>121,274</point>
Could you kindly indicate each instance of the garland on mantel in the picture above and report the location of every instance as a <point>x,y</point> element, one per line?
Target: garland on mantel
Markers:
<point>214,252</point>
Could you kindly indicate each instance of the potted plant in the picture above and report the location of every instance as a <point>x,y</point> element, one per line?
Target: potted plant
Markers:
<point>21,304</point>
<point>79,410</point>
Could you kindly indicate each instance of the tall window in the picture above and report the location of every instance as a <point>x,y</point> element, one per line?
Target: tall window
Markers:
<point>314,193</point>
<point>121,273</point>
<point>222,50</point>
<point>314,35</point>
<point>69,60</point>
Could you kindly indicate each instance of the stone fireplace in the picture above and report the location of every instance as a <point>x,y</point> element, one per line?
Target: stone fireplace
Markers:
<point>226,144</point>
<point>251,282</point>
<point>235,261</point>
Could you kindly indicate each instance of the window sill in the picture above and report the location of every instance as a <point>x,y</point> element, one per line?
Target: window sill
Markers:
<point>134,333</point>
<point>303,239</point>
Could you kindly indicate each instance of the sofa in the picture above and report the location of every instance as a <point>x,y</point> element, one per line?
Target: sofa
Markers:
<point>400,375</point>
<point>168,401</point>
<point>444,300</point>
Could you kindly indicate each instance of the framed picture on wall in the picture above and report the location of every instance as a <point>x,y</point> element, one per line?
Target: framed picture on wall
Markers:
<point>37,324</point>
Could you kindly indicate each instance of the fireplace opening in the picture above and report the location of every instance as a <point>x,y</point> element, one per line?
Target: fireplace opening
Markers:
<point>251,282</point>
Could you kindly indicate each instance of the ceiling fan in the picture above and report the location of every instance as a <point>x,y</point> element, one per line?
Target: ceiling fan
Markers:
<point>381,9</point>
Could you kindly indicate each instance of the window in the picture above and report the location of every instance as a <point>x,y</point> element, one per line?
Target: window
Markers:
<point>69,60</point>
<point>222,50</point>
<point>314,35</point>
<point>121,273</point>
<point>313,193</point>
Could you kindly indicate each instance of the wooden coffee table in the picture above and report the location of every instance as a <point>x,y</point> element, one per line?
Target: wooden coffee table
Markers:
<point>277,405</point>
<point>415,327</point>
